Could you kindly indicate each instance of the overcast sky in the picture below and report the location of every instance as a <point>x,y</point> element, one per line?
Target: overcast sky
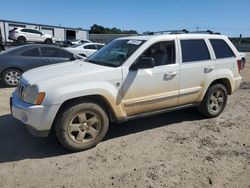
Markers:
<point>230,17</point>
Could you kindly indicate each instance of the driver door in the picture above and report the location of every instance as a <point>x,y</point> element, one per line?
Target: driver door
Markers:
<point>89,49</point>
<point>150,89</point>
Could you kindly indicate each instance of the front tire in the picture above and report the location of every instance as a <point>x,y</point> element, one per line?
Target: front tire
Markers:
<point>214,101</point>
<point>81,126</point>
<point>48,41</point>
<point>11,77</point>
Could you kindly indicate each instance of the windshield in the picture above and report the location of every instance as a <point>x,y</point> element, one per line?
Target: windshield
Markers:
<point>115,53</point>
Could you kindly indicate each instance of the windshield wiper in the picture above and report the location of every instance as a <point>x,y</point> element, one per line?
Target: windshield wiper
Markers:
<point>104,63</point>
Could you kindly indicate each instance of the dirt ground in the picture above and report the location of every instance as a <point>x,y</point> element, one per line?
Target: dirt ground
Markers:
<point>176,149</point>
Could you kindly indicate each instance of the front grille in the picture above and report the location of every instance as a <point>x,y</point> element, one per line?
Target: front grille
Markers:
<point>19,90</point>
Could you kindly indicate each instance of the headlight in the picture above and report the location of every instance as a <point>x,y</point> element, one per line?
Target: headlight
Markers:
<point>31,95</point>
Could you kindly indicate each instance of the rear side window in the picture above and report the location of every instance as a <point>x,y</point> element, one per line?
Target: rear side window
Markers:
<point>32,53</point>
<point>90,47</point>
<point>221,49</point>
<point>26,30</point>
<point>194,50</point>
<point>55,53</point>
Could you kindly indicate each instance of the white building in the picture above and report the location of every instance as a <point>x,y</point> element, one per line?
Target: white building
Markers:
<point>60,33</point>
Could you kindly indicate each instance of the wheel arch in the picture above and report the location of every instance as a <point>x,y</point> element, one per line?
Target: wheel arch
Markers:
<point>18,68</point>
<point>20,36</point>
<point>97,99</point>
<point>50,39</point>
<point>225,82</point>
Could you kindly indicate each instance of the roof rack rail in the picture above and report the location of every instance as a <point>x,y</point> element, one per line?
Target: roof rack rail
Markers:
<point>207,31</point>
<point>184,31</point>
<point>170,32</point>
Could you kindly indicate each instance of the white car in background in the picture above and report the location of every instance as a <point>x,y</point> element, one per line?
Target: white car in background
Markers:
<point>81,41</point>
<point>86,49</point>
<point>23,35</point>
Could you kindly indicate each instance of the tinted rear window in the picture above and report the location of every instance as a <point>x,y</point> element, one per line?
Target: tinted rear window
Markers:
<point>221,49</point>
<point>55,53</point>
<point>194,50</point>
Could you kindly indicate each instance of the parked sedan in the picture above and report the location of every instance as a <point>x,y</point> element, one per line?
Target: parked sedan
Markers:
<point>15,61</point>
<point>85,50</point>
<point>81,41</point>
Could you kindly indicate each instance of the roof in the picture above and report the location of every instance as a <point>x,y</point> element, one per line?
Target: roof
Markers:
<point>170,36</point>
<point>42,25</point>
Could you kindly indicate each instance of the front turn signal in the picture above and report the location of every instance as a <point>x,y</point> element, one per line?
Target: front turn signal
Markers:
<point>40,98</point>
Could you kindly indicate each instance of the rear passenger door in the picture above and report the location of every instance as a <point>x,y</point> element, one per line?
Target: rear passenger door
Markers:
<point>30,59</point>
<point>51,55</point>
<point>196,70</point>
<point>27,34</point>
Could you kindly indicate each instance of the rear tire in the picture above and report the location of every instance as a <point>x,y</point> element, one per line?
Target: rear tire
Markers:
<point>214,101</point>
<point>11,77</point>
<point>48,41</point>
<point>81,126</point>
<point>21,40</point>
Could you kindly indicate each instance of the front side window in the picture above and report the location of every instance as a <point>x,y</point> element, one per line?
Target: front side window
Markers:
<point>162,52</point>
<point>32,53</point>
<point>36,32</point>
<point>55,53</point>
<point>99,46</point>
<point>194,50</point>
<point>221,49</point>
<point>115,53</point>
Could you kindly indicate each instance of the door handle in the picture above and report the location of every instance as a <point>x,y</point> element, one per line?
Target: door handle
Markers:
<point>208,69</point>
<point>169,75</point>
<point>47,60</point>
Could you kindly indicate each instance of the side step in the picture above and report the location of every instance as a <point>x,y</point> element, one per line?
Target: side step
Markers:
<point>159,112</point>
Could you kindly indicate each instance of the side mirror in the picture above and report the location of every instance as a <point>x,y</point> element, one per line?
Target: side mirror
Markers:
<point>143,63</point>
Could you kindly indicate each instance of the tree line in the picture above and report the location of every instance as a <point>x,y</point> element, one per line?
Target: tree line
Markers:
<point>98,29</point>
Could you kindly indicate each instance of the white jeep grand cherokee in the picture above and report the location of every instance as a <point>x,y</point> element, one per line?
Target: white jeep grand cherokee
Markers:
<point>129,78</point>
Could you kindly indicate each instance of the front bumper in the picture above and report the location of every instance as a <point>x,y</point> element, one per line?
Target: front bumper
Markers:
<point>38,118</point>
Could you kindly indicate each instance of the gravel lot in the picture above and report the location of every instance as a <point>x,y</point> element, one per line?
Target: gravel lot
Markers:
<point>176,149</point>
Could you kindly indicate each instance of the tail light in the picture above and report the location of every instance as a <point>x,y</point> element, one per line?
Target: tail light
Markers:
<point>241,64</point>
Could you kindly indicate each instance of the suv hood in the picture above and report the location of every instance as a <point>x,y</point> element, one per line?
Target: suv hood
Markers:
<point>63,71</point>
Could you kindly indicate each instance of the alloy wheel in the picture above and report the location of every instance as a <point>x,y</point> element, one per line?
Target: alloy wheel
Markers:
<point>12,77</point>
<point>84,127</point>
<point>216,101</point>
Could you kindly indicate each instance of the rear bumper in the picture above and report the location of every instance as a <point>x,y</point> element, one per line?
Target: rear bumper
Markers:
<point>12,37</point>
<point>236,83</point>
<point>37,118</point>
